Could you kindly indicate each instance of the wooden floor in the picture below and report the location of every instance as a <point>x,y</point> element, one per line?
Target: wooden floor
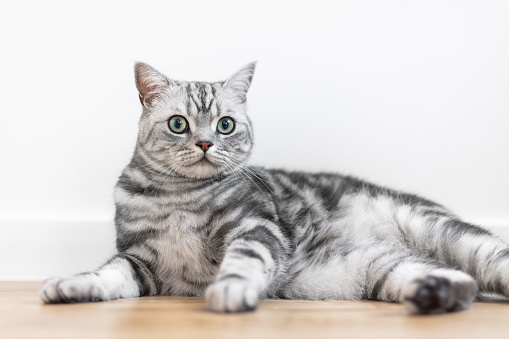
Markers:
<point>23,316</point>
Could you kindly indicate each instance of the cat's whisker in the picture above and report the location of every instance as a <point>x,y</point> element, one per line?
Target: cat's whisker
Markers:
<point>167,169</point>
<point>244,153</point>
<point>156,161</point>
<point>152,167</point>
<point>245,173</point>
<point>173,168</point>
<point>242,176</point>
<point>253,172</point>
<point>234,171</point>
<point>157,186</point>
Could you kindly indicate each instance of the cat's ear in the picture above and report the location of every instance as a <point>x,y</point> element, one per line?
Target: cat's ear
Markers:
<point>150,83</point>
<point>240,81</point>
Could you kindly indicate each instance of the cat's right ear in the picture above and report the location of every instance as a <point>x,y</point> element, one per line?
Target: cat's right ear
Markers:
<point>150,83</point>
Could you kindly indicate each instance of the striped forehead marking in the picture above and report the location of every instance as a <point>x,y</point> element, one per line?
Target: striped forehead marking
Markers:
<point>201,98</point>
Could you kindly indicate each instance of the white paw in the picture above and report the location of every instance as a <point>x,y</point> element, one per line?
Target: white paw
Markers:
<point>231,295</point>
<point>77,289</point>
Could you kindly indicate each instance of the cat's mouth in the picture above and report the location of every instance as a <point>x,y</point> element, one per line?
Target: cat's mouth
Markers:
<point>204,160</point>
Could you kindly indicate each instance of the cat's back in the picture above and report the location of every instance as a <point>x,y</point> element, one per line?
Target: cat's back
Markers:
<point>303,195</point>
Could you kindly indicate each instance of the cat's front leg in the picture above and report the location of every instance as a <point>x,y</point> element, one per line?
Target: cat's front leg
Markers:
<point>123,276</point>
<point>255,259</point>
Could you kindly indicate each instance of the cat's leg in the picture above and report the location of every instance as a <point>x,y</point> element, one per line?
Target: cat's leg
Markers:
<point>461,245</point>
<point>479,253</point>
<point>255,258</point>
<point>123,276</point>
<point>422,285</point>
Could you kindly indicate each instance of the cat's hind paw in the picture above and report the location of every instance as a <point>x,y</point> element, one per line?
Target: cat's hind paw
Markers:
<point>231,295</point>
<point>434,294</point>
<point>77,289</point>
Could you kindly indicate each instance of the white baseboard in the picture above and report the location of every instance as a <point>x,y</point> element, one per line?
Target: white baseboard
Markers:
<point>35,250</point>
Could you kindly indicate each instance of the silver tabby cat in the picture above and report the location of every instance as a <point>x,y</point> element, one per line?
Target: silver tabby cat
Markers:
<point>193,219</point>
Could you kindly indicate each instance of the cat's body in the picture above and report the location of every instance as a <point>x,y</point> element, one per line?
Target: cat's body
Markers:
<point>197,221</point>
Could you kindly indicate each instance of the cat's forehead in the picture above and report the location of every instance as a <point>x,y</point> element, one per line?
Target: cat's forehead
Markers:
<point>200,88</point>
<point>201,100</point>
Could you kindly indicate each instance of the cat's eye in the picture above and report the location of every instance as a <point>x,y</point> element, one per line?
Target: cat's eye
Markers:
<point>225,125</point>
<point>178,124</point>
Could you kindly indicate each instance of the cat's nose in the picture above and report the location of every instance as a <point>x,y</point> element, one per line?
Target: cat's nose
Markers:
<point>204,145</point>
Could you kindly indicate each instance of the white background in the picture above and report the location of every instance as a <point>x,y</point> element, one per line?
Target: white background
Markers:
<point>408,94</point>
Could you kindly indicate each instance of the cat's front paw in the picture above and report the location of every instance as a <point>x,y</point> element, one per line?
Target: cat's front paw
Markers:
<point>231,295</point>
<point>77,289</point>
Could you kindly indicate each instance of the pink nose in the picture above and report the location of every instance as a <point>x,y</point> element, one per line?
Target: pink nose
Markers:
<point>204,145</point>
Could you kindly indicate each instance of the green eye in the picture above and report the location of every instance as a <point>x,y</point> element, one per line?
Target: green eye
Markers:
<point>226,125</point>
<point>178,124</point>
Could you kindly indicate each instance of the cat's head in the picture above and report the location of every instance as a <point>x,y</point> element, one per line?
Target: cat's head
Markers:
<point>194,129</point>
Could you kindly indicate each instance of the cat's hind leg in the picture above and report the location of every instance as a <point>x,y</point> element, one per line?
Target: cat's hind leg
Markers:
<point>383,271</point>
<point>458,244</point>
<point>422,285</point>
<point>123,276</point>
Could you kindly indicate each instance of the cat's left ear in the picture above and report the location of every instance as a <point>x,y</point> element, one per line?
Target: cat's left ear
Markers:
<point>240,81</point>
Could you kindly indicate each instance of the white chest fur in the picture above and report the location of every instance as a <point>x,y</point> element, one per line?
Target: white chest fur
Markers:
<point>186,264</point>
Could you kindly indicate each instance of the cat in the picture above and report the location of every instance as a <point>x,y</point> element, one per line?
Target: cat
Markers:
<point>193,219</point>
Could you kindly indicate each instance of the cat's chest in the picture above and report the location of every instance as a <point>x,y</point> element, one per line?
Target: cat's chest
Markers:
<point>187,263</point>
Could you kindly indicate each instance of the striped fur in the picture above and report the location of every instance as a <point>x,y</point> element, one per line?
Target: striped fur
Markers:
<point>198,223</point>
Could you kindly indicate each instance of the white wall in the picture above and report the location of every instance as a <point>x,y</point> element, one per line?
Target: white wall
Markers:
<point>409,94</point>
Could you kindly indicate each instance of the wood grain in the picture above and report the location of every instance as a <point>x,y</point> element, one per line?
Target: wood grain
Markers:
<point>23,316</point>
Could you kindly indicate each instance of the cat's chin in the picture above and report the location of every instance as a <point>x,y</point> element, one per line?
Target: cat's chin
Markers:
<point>202,170</point>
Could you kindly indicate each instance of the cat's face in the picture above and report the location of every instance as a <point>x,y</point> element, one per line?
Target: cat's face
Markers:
<point>194,129</point>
